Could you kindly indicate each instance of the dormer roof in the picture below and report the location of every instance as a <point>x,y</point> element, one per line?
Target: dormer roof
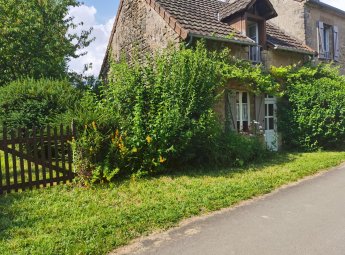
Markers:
<point>232,8</point>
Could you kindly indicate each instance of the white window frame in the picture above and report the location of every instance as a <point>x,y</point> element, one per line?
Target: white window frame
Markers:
<point>240,107</point>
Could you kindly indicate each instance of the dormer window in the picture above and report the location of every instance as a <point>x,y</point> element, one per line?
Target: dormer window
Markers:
<point>253,33</point>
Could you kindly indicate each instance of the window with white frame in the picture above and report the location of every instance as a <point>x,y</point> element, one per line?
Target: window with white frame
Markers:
<point>243,111</point>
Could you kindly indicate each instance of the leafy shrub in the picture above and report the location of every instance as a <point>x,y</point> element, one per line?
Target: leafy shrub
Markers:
<point>161,110</point>
<point>312,114</point>
<point>162,105</point>
<point>27,103</point>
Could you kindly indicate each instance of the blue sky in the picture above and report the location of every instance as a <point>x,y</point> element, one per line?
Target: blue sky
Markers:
<point>106,9</point>
<point>100,14</point>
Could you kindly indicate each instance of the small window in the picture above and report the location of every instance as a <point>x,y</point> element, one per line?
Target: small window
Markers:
<point>243,111</point>
<point>327,41</point>
<point>269,116</point>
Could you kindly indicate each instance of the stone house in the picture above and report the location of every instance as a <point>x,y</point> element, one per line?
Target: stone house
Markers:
<point>244,26</point>
<point>318,25</point>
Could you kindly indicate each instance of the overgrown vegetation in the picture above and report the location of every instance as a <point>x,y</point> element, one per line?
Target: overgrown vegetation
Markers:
<point>163,115</point>
<point>312,112</point>
<point>79,220</point>
<point>28,103</point>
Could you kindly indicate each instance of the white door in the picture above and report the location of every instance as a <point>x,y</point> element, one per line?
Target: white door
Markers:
<point>271,134</point>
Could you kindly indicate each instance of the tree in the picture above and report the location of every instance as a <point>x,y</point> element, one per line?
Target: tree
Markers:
<point>35,39</point>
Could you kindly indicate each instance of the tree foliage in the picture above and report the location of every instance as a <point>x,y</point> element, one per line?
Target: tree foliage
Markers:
<point>27,103</point>
<point>35,39</point>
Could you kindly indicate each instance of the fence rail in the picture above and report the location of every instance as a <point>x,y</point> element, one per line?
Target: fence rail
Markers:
<point>35,158</point>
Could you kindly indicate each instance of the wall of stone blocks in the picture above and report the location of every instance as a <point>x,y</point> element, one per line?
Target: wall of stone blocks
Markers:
<point>283,58</point>
<point>140,28</point>
<point>291,16</point>
<point>315,14</point>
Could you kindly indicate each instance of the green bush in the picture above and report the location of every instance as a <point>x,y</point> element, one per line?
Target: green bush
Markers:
<point>161,110</point>
<point>162,106</point>
<point>312,112</point>
<point>27,103</point>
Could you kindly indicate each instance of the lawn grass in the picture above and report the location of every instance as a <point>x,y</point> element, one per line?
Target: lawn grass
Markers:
<point>34,177</point>
<point>77,220</point>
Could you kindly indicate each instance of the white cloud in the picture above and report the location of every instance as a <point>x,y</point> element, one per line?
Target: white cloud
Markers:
<point>96,51</point>
<point>336,3</point>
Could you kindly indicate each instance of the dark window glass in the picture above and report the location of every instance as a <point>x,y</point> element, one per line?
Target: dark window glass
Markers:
<point>266,124</point>
<point>266,110</point>
<point>271,123</point>
<point>270,110</point>
<point>245,126</point>
<point>244,98</point>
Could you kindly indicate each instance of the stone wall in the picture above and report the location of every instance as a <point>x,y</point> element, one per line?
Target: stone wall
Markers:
<point>299,19</point>
<point>291,16</point>
<point>142,29</point>
<point>315,14</point>
<point>282,58</point>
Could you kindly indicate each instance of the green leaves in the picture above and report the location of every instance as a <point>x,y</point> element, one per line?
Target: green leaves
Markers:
<point>26,103</point>
<point>313,114</point>
<point>33,40</point>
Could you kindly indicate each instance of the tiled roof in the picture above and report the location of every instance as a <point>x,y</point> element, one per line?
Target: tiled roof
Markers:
<point>200,18</point>
<point>281,40</point>
<point>233,7</point>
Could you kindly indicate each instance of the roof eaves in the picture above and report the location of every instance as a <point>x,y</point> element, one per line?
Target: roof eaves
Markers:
<point>223,39</point>
<point>292,49</point>
<point>327,6</point>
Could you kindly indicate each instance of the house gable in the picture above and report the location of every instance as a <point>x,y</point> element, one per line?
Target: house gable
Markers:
<point>140,26</point>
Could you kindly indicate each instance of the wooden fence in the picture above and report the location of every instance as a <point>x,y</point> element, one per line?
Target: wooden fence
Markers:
<point>35,158</point>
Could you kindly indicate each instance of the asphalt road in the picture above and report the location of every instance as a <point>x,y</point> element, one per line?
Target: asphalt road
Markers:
<point>308,218</point>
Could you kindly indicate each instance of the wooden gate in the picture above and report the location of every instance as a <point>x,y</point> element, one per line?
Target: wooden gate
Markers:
<point>35,158</point>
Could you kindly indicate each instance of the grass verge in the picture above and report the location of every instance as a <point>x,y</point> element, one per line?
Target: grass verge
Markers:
<point>76,220</point>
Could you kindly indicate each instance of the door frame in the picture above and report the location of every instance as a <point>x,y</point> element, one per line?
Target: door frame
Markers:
<point>271,135</point>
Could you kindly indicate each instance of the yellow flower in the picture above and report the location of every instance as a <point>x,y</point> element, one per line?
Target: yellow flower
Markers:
<point>117,133</point>
<point>148,139</point>
<point>94,125</point>
<point>134,150</point>
<point>161,159</point>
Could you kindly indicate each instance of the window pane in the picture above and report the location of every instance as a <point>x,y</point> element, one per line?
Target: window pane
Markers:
<point>238,112</point>
<point>271,123</point>
<point>266,124</point>
<point>244,111</point>
<point>238,126</point>
<point>244,97</point>
<point>270,110</point>
<point>245,126</point>
<point>237,97</point>
<point>266,112</point>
